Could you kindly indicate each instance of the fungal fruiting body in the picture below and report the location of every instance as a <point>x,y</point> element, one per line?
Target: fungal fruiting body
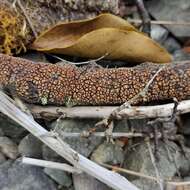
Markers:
<point>62,85</point>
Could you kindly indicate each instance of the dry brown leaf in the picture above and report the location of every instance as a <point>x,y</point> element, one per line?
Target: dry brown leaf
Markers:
<point>105,34</point>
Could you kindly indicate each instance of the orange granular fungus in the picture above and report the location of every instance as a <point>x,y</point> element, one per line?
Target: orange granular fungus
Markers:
<point>69,85</point>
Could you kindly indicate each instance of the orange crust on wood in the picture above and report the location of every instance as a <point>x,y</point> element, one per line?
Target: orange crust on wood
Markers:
<point>69,85</point>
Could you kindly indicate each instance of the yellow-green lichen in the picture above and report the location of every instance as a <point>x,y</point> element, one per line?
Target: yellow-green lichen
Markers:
<point>69,102</point>
<point>12,30</point>
<point>44,100</point>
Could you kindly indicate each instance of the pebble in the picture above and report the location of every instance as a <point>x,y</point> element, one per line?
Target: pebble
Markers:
<point>82,145</point>
<point>18,176</point>
<point>86,182</point>
<point>30,146</point>
<point>175,10</point>
<point>108,153</point>
<point>11,129</point>
<point>61,177</point>
<point>138,159</point>
<point>8,148</point>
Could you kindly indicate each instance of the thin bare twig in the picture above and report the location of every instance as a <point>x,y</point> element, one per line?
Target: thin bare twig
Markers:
<point>99,112</point>
<point>108,122</point>
<point>86,134</point>
<point>97,134</point>
<point>160,22</point>
<point>50,164</point>
<point>142,93</point>
<point>130,172</point>
<point>63,61</point>
<point>159,180</point>
<point>144,16</point>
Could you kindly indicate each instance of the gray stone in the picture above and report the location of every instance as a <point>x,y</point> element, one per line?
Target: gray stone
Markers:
<point>184,129</point>
<point>185,124</point>
<point>111,5</point>
<point>159,33</point>
<point>8,148</point>
<point>108,153</point>
<point>85,182</point>
<point>17,176</point>
<point>146,184</point>
<point>49,154</point>
<point>59,176</point>
<point>11,129</point>
<point>67,188</point>
<point>1,133</point>
<point>82,145</point>
<point>4,169</point>
<point>180,55</point>
<point>70,188</point>
<point>35,56</point>
<point>187,178</point>
<point>138,159</point>
<point>135,125</point>
<point>174,10</point>
<point>171,44</point>
<point>121,125</point>
<point>30,146</point>
<point>2,158</point>
<point>86,145</point>
<point>187,140</point>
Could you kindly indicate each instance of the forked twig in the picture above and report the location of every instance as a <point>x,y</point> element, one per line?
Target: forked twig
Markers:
<point>142,93</point>
<point>99,112</point>
<point>107,122</point>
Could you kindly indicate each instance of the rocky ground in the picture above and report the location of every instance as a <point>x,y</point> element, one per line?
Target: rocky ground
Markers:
<point>132,154</point>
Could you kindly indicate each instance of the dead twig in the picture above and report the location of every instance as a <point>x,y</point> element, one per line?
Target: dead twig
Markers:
<point>144,16</point>
<point>130,172</point>
<point>108,122</point>
<point>86,134</point>
<point>99,112</point>
<point>20,104</point>
<point>167,128</point>
<point>63,61</point>
<point>50,164</point>
<point>142,93</point>
<point>161,22</point>
<point>159,180</point>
